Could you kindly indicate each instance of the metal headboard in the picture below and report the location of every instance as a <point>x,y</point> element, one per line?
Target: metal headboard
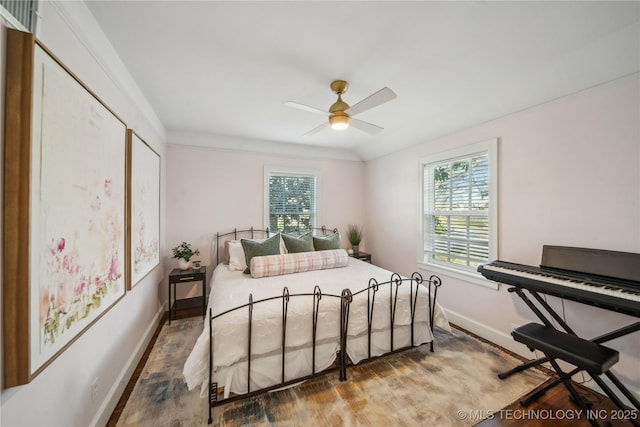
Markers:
<point>254,233</point>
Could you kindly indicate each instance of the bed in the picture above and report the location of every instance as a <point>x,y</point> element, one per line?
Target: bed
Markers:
<point>310,312</point>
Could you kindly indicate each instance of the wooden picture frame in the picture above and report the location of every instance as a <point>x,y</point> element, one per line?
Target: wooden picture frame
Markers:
<point>65,215</point>
<point>144,210</point>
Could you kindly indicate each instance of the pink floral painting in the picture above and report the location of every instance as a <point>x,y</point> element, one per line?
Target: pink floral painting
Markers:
<point>75,290</point>
<point>145,208</point>
<point>78,213</point>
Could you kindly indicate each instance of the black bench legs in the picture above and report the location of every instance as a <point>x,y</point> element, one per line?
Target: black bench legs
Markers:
<point>585,355</point>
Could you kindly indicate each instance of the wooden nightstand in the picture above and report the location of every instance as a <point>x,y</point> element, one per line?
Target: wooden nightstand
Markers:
<point>363,256</point>
<point>186,276</point>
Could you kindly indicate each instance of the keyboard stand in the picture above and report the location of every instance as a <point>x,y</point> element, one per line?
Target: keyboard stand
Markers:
<point>626,330</point>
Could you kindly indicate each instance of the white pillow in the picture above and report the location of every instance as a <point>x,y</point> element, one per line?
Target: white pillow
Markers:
<point>237,259</point>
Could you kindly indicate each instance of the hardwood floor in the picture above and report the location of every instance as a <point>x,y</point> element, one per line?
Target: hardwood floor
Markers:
<point>554,409</point>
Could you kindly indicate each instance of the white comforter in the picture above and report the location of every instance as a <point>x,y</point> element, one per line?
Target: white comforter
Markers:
<point>230,289</point>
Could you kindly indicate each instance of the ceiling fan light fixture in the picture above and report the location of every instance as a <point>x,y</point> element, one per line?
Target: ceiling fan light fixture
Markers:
<point>340,112</point>
<point>339,121</point>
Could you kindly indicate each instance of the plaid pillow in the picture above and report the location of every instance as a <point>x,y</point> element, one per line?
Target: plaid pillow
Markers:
<point>275,265</point>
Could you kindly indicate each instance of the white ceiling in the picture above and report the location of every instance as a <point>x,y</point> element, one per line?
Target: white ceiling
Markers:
<point>226,68</point>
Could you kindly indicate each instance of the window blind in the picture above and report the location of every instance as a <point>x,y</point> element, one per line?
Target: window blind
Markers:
<point>456,215</point>
<point>20,13</point>
<point>292,202</point>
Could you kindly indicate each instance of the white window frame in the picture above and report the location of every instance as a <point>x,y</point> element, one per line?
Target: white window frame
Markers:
<point>288,171</point>
<point>489,147</point>
<point>15,23</point>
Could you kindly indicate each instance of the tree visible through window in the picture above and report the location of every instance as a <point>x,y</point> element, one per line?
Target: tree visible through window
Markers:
<point>292,202</point>
<point>457,210</point>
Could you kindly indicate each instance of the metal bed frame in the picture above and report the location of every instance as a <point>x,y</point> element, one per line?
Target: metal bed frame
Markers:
<point>251,232</point>
<point>345,299</point>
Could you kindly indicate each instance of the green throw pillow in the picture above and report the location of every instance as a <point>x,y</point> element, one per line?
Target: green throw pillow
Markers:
<point>296,244</point>
<point>271,246</point>
<point>327,243</point>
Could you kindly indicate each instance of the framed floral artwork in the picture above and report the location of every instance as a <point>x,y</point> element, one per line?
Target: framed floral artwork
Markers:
<point>145,207</point>
<point>65,213</point>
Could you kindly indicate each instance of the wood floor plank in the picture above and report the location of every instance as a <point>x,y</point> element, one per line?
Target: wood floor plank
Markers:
<point>556,409</point>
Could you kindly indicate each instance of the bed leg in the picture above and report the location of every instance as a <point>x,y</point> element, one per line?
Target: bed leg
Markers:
<point>343,366</point>
<point>431,346</point>
<point>347,297</point>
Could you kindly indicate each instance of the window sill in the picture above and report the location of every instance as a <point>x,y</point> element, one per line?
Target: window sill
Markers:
<point>475,278</point>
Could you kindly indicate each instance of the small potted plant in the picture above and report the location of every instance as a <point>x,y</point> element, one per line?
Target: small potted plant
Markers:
<point>355,234</point>
<point>184,252</point>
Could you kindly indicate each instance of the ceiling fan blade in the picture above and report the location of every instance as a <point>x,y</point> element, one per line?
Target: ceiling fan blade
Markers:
<point>316,129</point>
<point>380,97</point>
<point>365,126</point>
<point>306,108</point>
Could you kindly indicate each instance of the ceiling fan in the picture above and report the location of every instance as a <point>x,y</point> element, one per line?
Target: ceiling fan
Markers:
<point>341,114</point>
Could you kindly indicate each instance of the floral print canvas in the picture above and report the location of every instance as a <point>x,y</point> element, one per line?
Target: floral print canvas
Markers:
<point>77,210</point>
<point>145,208</point>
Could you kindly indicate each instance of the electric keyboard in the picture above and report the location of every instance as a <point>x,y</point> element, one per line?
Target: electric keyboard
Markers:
<point>608,292</point>
<point>601,278</point>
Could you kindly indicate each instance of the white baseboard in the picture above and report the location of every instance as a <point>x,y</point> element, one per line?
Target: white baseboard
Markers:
<point>113,396</point>
<point>505,340</point>
<point>500,338</point>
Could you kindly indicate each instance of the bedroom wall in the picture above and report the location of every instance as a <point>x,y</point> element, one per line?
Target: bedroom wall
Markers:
<point>109,351</point>
<point>569,175</point>
<point>213,190</point>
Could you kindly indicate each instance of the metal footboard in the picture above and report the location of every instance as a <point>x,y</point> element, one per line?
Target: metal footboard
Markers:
<point>345,301</point>
<point>286,297</point>
<point>414,282</point>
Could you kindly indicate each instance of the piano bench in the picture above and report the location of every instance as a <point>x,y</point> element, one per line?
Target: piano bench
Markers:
<point>587,355</point>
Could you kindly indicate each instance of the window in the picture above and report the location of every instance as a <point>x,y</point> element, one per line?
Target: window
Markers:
<point>290,200</point>
<point>459,207</point>
<point>20,14</point>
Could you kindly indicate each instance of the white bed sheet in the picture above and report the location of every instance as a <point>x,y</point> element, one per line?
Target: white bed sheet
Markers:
<point>230,289</point>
